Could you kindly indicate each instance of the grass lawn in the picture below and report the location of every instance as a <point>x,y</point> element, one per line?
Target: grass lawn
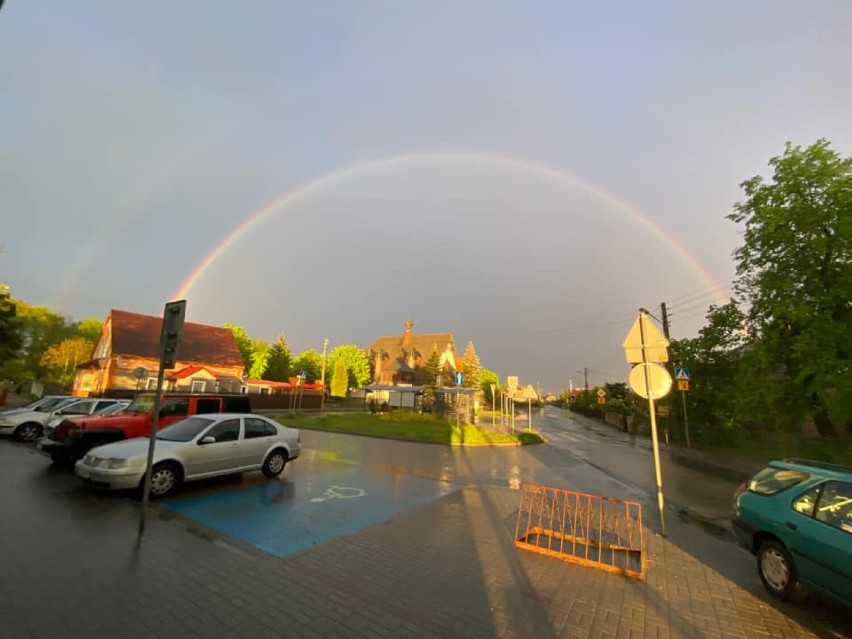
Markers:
<point>410,427</point>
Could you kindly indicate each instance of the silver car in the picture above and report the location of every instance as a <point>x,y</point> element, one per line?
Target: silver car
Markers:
<point>193,448</point>
<point>29,425</point>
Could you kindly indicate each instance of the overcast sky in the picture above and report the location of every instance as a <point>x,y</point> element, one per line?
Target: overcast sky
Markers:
<point>533,139</point>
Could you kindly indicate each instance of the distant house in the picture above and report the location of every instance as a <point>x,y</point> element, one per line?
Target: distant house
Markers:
<point>398,360</point>
<point>126,358</point>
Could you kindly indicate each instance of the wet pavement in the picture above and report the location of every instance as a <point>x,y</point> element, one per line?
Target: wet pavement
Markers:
<point>362,537</point>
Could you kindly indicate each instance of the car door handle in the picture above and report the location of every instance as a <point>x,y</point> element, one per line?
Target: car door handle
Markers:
<point>791,525</point>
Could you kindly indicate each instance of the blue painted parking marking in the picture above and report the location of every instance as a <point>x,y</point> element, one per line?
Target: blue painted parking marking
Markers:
<point>286,516</point>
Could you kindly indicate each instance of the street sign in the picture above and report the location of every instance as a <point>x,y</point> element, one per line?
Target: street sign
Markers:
<point>512,382</point>
<point>658,379</point>
<point>601,400</point>
<point>459,378</point>
<point>601,393</point>
<point>656,344</point>
<point>681,374</point>
<point>682,385</point>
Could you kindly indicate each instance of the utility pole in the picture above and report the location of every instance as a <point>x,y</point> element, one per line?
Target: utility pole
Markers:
<point>586,377</point>
<point>665,314</point>
<point>322,375</point>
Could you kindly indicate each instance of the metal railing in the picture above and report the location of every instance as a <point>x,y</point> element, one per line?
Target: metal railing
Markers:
<point>596,531</point>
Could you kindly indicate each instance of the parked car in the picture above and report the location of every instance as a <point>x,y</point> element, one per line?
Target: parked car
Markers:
<point>796,517</point>
<point>193,448</point>
<point>42,404</point>
<point>72,439</point>
<point>109,409</point>
<point>28,426</point>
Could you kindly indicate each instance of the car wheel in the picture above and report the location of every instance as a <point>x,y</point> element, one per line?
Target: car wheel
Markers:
<point>165,478</point>
<point>776,569</point>
<point>275,462</point>
<point>28,432</point>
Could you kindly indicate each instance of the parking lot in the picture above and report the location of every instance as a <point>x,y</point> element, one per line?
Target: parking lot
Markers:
<point>359,537</point>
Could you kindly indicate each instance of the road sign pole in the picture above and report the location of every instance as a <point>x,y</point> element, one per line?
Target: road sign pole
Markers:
<point>685,418</point>
<point>654,439</point>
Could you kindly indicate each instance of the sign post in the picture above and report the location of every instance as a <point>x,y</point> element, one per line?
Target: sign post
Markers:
<point>493,403</point>
<point>682,377</point>
<point>173,316</point>
<point>646,346</point>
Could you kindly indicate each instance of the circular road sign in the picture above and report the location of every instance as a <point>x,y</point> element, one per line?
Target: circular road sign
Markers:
<point>659,380</point>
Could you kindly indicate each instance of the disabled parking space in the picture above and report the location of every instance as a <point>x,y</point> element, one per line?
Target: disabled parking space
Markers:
<point>288,515</point>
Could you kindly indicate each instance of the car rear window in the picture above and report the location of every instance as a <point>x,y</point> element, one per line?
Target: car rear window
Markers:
<point>771,481</point>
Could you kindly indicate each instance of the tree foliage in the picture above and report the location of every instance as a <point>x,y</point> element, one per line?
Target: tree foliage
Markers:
<point>355,361</point>
<point>10,339</point>
<point>278,361</point>
<point>244,344</point>
<point>38,328</point>
<point>309,361</point>
<point>795,274</point>
<point>89,328</point>
<point>486,378</point>
<point>340,379</point>
<point>472,367</point>
<point>431,372</point>
<point>61,359</point>
<point>259,358</point>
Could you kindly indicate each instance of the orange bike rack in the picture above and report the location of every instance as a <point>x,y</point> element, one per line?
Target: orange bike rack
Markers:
<point>596,531</point>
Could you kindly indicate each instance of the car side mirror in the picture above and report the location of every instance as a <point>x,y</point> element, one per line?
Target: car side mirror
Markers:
<point>207,439</point>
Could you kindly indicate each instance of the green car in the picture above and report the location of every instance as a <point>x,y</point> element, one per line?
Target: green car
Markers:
<point>796,517</point>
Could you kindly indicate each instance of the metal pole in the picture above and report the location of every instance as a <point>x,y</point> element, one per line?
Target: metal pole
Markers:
<point>654,440</point>
<point>685,419</point>
<point>152,438</point>
<point>529,410</point>
<point>493,403</point>
<point>322,376</point>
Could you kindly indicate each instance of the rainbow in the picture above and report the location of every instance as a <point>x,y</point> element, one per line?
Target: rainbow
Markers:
<point>293,196</point>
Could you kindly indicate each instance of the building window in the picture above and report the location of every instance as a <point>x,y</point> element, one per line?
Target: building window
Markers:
<point>151,384</point>
<point>198,385</point>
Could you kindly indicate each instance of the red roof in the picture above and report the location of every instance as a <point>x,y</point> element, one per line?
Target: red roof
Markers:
<point>138,335</point>
<point>188,372</point>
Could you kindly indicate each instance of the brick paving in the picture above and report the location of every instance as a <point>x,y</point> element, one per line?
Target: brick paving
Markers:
<point>71,566</point>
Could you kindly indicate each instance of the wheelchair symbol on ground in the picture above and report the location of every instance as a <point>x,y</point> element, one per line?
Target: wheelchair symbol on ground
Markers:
<point>341,492</point>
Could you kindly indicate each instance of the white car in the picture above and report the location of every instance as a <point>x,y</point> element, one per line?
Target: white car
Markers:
<point>41,405</point>
<point>193,448</point>
<point>108,409</point>
<point>28,426</point>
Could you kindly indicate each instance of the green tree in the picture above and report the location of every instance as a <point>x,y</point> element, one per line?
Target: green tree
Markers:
<point>278,361</point>
<point>795,275</point>
<point>61,359</point>
<point>472,367</point>
<point>486,378</point>
<point>259,358</point>
<point>244,344</point>
<point>10,337</point>
<point>340,379</point>
<point>39,329</point>
<point>309,361</point>
<point>355,361</point>
<point>89,328</point>
<point>431,372</point>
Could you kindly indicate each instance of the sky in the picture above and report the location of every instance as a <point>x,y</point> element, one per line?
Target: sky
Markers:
<point>523,175</point>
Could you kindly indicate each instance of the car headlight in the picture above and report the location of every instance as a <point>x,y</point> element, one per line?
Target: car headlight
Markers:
<point>112,463</point>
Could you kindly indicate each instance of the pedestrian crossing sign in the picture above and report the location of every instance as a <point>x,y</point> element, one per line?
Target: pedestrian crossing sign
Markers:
<point>681,374</point>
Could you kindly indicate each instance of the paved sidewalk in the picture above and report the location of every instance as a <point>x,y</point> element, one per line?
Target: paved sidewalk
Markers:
<point>72,566</point>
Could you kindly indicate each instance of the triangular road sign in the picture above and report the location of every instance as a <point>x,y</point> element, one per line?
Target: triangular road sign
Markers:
<point>655,345</point>
<point>681,374</point>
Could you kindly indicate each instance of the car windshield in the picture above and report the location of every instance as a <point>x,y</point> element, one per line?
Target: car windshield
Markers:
<point>111,409</point>
<point>52,404</point>
<point>142,404</point>
<point>771,481</point>
<point>185,430</point>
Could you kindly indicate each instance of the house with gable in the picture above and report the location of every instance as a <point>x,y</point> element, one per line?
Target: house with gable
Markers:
<point>126,359</point>
<point>399,360</point>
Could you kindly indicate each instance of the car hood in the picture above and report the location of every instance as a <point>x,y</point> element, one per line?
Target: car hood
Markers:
<point>137,447</point>
<point>26,415</point>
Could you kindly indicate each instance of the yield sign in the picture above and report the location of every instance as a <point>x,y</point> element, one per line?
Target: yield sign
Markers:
<point>655,345</point>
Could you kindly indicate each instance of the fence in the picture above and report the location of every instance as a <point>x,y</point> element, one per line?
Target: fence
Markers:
<point>596,531</point>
